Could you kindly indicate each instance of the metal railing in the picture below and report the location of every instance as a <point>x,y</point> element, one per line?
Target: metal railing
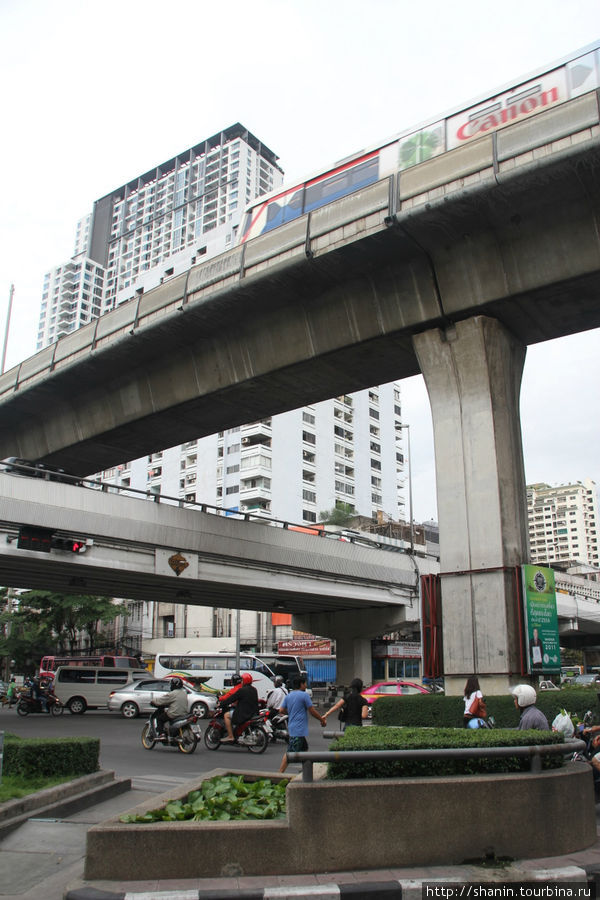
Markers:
<point>107,487</point>
<point>535,752</point>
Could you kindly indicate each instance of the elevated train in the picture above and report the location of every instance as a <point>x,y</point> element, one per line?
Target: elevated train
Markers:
<point>564,80</point>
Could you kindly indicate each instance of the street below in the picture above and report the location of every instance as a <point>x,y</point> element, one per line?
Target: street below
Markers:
<point>121,749</point>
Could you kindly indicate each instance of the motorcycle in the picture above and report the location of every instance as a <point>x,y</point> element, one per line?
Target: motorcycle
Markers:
<point>26,704</point>
<point>276,726</point>
<point>251,734</point>
<point>477,722</point>
<point>182,733</point>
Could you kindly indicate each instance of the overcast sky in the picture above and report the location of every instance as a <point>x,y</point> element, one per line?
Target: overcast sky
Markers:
<point>96,94</point>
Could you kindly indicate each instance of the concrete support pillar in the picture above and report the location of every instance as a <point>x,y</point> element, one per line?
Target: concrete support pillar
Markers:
<point>473,376</point>
<point>353,631</point>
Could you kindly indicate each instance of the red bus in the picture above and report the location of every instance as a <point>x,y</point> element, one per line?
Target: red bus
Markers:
<point>49,664</point>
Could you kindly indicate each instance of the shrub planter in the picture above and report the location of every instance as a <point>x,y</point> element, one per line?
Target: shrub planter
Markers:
<point>359,824</point>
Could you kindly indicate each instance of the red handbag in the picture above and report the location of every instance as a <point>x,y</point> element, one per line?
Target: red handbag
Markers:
<point>477,708</point>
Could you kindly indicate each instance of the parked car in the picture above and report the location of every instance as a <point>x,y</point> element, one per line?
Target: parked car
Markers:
<point>392,689</point>
<point>136,698</point>
<point>586,680</point>
<point>548,686</point>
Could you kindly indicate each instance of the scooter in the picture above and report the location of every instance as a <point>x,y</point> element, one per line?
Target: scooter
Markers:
<point>479,722</point>
<point>276,726</point>
<point>182,733</point>
<point>251,734</point>
<point>26,704</point>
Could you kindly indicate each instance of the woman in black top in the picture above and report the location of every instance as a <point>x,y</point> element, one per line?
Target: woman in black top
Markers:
<point>353,703</point>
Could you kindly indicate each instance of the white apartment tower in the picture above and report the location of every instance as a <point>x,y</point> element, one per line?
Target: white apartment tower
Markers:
<point>563,523</point>
<point>292,466</point>
<point>73,292</point>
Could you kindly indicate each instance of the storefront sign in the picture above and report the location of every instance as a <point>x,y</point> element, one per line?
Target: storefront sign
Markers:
<point>303,647</point>
<point>397,650</point>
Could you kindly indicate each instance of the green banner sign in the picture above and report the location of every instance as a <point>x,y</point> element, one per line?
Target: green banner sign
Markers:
<point>541,620</point>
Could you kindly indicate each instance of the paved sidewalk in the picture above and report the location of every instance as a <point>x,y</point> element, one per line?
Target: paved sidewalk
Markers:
<point>44,860</point>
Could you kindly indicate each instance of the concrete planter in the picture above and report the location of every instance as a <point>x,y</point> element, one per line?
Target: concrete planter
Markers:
<point>359,824</point>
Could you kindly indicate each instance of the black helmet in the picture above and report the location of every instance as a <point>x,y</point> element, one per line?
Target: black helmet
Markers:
<point>236,679</point>
<point>176,684</point>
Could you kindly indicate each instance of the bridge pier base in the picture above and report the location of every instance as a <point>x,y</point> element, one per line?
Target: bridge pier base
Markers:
<point>353,631</point>
<point>473,374</point>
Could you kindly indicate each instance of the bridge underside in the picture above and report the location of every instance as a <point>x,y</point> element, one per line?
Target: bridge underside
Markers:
<point>521,247</point>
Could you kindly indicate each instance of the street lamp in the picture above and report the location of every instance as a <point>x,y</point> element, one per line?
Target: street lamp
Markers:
<point>410,503</point>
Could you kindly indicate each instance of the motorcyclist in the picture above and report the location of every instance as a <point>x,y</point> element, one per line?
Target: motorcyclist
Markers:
<point>275,697</point>
<point>171,706</point>
<point>246,706</point>
<point>524,696</point>
<point>225,699</point>
<point>39,694</point>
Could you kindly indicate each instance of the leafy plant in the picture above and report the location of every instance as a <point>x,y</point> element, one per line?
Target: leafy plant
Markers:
<point>222,799</point>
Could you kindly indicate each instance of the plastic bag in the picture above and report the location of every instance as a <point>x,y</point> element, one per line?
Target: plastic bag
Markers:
<point>563,723</point>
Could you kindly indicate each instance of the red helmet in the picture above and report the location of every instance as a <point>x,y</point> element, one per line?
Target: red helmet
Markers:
<point>247,678</point>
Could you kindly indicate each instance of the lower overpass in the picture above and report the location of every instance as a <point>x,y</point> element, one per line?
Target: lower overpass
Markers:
<point>162,551</point>
<point>156,549</point>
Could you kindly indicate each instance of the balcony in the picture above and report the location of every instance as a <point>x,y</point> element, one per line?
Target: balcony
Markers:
<point>256,491</point>
<point>259,508</point>
<point>257,433</point>
<point>255,464</point>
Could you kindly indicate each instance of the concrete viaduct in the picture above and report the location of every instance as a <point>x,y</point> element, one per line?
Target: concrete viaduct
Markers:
<point>449,268</point>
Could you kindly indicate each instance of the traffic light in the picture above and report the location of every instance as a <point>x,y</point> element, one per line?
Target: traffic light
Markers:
<point>30,538</point>
<point>68,544</point>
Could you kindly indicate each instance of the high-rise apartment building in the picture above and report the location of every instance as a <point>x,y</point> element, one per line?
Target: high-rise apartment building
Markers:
<point>158,224</point>
<point>185,209</point>
<point>563,523</point>
<point>292,466</point>
<point>73,292</point>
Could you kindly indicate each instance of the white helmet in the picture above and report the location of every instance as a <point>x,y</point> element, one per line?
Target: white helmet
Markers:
<point>525,694</point>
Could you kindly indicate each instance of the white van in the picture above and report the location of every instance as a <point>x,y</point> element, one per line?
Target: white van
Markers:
<point>88,687</point>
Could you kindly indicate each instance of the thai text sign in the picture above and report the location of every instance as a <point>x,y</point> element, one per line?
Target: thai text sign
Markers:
<point>541,620</point>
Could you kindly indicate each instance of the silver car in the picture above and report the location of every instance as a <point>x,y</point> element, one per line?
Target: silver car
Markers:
<point>136,697</point>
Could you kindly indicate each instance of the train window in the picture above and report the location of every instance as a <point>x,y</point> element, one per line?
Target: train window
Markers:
<point>341,183</point>
<point>293,208</point>
<point>273,215</point>
<point>245,226</point>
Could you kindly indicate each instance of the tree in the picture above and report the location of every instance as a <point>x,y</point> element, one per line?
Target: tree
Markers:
<point>341,514</point>
<point>47,621</point>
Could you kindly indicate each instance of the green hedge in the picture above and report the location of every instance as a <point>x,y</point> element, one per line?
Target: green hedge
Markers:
<point>47,757</point>
<point>378,738</point>
<point>439,711</point>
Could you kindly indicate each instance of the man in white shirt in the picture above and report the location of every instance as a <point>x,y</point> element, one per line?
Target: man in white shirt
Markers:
<point>275,697</point>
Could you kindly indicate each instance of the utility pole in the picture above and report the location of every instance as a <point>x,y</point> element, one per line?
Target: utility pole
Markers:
<point>10,301</point>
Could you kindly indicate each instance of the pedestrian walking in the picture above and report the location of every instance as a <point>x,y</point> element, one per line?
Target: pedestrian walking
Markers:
<point>353,707</point>
<point>298,706</point>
